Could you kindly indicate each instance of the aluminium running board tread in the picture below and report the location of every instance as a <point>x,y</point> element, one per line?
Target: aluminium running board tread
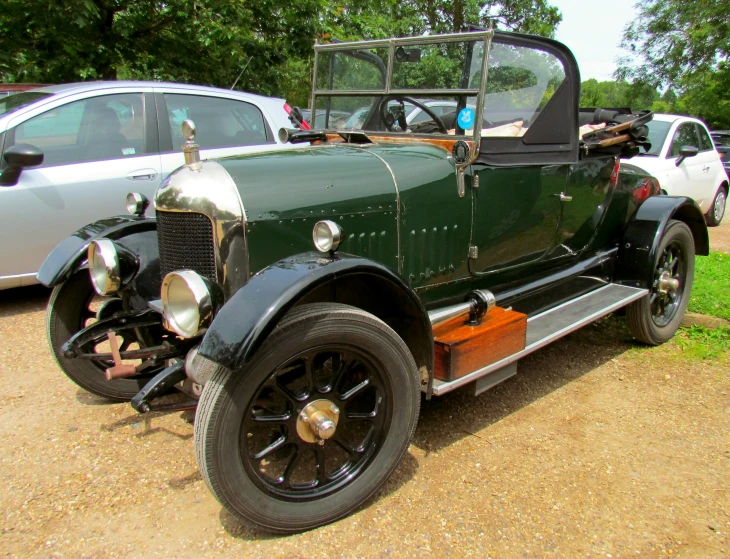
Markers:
<point>553,324</point>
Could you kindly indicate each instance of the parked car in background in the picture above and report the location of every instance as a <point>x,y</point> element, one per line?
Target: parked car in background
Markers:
<point>722,144</point>
<point>684,159</point>
<point>101,140</point>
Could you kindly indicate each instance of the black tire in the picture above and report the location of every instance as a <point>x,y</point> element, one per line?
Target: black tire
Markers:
<point>717,210</point>
<point>233,403</point>
<point>654,319</point>
<point>68,311</point>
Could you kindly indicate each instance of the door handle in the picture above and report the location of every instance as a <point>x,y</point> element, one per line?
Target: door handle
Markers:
<point>705,169</point>
<point>563,197</point>
<point>143,175</point>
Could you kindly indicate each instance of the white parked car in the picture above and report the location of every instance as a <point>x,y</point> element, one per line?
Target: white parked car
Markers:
<point>684,159</point>
<point>100,140</point>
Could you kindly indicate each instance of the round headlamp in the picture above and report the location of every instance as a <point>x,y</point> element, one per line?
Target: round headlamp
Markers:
<point>104,267</point>
<point>137,203</point>
<point>188,302</point>
<point>327,236</point>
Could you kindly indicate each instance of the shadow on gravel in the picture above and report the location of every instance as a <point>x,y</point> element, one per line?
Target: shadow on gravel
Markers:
<point>447,419</point>
<point>245,532</point>
<point>20,300</point>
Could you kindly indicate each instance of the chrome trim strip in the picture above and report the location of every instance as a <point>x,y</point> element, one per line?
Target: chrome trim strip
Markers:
<point>440,387</point>
<point>210,191</point>
<point>419,40</point>
<point>397,204</point>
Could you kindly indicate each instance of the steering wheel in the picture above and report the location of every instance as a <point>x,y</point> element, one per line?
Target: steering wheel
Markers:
<point>389,120</point>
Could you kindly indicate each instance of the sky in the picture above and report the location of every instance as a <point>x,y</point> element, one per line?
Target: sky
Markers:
<point>592,29</point>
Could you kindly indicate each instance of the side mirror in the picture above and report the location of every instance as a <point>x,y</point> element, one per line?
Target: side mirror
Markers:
<point>17,158</point>
<point>685,152</point>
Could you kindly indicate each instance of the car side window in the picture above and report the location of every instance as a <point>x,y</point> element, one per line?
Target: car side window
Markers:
<point>220,123</point>
<point>95,129</point>
<point>685,135</point>
<point>705,140</point>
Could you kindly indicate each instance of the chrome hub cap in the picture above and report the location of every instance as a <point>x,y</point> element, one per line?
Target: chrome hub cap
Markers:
<point>318,421</point>
<point>667,284</point>
<point>719,208</point>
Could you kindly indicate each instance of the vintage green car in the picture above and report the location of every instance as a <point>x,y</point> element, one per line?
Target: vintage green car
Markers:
<point>306,300</point>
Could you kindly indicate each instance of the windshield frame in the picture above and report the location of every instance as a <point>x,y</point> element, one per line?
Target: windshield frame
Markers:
<point>391,45</point>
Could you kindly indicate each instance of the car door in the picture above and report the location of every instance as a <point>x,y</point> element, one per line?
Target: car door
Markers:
<point>687,178</point>
<point>96,150</point>
<point>516,214</point>
<point>713,173</point>
<point>225,126</point>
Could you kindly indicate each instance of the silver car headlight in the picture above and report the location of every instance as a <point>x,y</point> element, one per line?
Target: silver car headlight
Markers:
<point>189,302</point>
<point>104,267</point>
<point>326,235</point>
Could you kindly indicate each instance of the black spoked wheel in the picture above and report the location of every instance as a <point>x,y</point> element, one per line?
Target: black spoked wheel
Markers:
<point>74,305</point>
<point>717,210</point>
<point>314,424</point>
<point>655,318</point>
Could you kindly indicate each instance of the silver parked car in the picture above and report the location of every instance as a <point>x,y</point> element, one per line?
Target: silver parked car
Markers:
<point>101,140</point>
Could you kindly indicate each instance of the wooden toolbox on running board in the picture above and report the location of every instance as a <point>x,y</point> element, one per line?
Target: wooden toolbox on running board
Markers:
<point>461,349</point>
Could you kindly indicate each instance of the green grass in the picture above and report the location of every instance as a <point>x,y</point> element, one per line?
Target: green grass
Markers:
<point>711,290</point>
<point>701,343</point>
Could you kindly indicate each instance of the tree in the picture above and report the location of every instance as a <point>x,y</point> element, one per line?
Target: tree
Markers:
<point>637,96</point>
<point>205,41</point>
<point>371,19</point>
<point>675,38</point>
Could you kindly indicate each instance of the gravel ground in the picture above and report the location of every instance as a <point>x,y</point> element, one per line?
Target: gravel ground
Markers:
<point>598,448</point>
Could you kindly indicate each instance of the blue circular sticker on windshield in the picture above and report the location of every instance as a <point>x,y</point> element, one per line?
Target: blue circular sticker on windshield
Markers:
<point>466,118</point>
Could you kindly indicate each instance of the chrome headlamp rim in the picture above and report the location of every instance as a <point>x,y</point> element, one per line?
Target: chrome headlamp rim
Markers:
<point>187,302</point>
<point>105,269</point>
<point>137,203</point>
<point>327,235</point>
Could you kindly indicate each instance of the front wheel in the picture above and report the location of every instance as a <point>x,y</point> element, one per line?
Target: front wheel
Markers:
<point>74,305</point>
<point>717,210</point>
<point>654,319</point>
<point>314,424</point>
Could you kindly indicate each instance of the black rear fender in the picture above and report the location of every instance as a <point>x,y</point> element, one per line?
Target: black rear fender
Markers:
<point>245,321</point>
<point>138,234</point>
<point>638,250</point>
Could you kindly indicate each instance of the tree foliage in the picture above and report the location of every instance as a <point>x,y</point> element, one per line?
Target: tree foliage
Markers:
<point>200,41</point>
<point>211,41</point>
<point>638,96</point>
<point>684,46</point>
<point>673,39</point>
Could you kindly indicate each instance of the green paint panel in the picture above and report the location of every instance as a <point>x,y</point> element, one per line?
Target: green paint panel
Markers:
<point>435,222</point>
<point>285,193</point>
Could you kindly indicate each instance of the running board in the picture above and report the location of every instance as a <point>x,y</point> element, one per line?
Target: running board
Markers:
<point>547,327</point>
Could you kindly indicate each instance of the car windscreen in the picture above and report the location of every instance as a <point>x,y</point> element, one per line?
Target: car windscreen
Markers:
<point>20,100</point>
<point>658,131</point>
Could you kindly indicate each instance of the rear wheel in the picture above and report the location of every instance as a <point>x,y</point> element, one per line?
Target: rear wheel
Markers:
<point>654,319</point>
<point>74,305</point>
<point>717,210</point>
<point>314,424</point>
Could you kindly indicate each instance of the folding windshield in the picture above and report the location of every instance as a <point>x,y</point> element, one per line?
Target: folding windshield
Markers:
<point>421,85</point>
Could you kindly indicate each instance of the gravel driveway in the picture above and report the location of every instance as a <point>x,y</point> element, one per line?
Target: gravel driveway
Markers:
<point>598,448</point>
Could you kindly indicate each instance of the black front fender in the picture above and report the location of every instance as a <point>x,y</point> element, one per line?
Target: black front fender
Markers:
<point>244,322</point>
<point>640,243</point>
<point>70,254</point>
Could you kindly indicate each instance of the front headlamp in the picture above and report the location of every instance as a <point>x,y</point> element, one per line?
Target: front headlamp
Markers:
<point>104,267</point>
<point>189,302</point>
<point>111,266</point>
<point>326,235</point>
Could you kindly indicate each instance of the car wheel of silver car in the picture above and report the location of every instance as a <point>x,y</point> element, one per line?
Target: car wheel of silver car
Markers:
<point>74,305</point>
<point>654,319</point>
<point>717,210</point>
<point>314,424</point>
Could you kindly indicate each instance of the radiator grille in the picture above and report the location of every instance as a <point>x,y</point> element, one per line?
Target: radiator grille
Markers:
<point>186,243</point>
